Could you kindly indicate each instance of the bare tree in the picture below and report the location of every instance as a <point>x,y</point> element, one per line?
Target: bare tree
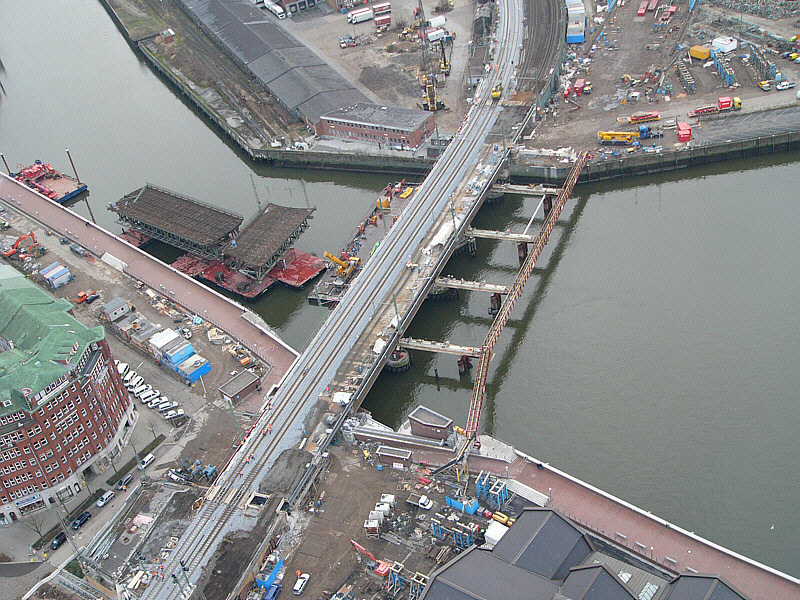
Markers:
<point>35,522</point>
<point>151,426</point>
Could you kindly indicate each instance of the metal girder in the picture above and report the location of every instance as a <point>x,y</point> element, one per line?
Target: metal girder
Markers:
<point>526,190</point>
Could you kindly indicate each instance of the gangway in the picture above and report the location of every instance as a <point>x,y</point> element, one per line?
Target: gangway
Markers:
<point>441,347</point>
<point>502,235</point>
<point>474,286</point>
<point>525,190</point>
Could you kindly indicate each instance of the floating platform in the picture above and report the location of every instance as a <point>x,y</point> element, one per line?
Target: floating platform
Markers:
<point>300,268</point>
<point>50,183</point>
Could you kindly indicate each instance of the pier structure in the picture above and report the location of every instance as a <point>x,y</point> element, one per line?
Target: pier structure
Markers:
<point>178,220</point>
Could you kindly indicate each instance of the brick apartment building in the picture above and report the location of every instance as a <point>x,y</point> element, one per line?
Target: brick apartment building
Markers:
<point>64,411</point>
<point>385,125</point>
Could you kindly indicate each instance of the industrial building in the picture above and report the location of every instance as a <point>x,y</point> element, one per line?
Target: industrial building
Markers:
<point>178,220</point>
<point>64,412</point>
<point>301,81</point>
<point>388,125</point>
<point>544,556</point>
<point>239,386</point>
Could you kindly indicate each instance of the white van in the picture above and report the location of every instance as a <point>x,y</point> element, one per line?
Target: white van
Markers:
<point>105,499</point>
<point>141,389</point>
<point>149,395</point>
<point>146,461</point>
<point>122,368</point>
<point>167,406</point>
<point>174,414</point>
<point>134,383</point>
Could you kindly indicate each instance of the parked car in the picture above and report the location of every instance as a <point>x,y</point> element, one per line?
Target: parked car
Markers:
<point>105,499</point>
<point>785,85</point>
<point>174,414</point>
<point>300,585</point>
<point>167,406</point>
<point>81,520</point>
<point>185,332</point>
<point>125,481</point>
<point>58,540</point>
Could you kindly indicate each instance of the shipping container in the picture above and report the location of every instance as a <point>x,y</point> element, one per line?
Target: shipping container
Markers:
<point>48,268</point>
<point>437,21</point>
<point>193,368</point>
<point>724,103</point>
<point>176,354</point>
<point>579,83</point>
<point>652,6</point>
<point>435,34</point>
<point>642,9</point>
<point>383,20</point>
<point>700,52</point>
<point>383,8</point>
<point>55,273</point>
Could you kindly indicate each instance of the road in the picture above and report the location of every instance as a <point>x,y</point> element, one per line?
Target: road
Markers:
<point>185,291</point>
<point>281,427</point>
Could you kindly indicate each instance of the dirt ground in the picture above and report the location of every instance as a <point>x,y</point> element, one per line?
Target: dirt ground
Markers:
<point>385,68</point>
<point>637,49</point>
<point>351,489</point>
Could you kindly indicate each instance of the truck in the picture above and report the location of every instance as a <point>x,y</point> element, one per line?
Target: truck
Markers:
<point>275,9</point>
<point>383,20</point>
<point>420,500</point>
<point>382,8</point>
<point>360,15</point>
<point>724,104</point>
<point>641,117</point>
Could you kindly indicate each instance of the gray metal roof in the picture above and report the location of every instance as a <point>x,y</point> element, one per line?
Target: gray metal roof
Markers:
<point>543,542</point>
<point>302,81</point>
<point>702,587</point>
<point>113,305</point>
<point>407,119</point>
<point>237,383</point>
<point>474,575</point>
<point>594,582</point>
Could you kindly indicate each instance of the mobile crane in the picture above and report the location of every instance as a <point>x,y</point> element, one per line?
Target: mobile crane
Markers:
<point>445,64</point>
<point>344,269</point>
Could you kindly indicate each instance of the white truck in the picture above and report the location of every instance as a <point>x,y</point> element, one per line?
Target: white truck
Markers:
<point>421,501</point>
<point>275,9</point>
<point>360,15</point>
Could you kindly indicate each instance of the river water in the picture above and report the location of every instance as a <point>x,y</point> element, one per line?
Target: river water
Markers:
<point>654,352</point>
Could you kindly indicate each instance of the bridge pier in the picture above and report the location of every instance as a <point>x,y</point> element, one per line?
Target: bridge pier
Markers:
<point>399,361</point>
<point>495,302</point>
<point>464,365</point>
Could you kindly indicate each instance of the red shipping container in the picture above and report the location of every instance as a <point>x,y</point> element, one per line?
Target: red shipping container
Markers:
<point>642,9</point>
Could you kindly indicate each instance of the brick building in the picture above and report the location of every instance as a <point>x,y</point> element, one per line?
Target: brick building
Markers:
<point>64,411</point>
<point>386,125</point>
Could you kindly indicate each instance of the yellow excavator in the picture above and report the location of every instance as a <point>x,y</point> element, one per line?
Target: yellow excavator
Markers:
<point>344,269</point>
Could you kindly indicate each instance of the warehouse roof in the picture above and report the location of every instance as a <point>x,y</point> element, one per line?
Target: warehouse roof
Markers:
<point>267,234</point>
<point>237,383</point>
<point>544,543</point>
<point>405,119</point>
<point>178,215</point>
<point>39,340</point>
<point>594,582</point>
<point>701,587</point>
<point>302,81</point>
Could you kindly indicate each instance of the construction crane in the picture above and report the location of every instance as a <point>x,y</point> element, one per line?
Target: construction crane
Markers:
<point>430,101</point>
<point>344,269</point>
<point>479,389</point>
<point>445,64</point>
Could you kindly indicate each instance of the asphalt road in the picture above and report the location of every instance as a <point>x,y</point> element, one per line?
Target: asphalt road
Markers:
<point>282,427</point>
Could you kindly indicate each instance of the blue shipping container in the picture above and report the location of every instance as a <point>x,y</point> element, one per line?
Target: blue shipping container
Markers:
<point>576,38</point>
<point>178,354</point>
<point>56,273</point>
<point>193,368</point>
<point>48,268</point>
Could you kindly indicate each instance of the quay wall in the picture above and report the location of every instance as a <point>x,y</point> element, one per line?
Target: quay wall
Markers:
<point>646,164</point>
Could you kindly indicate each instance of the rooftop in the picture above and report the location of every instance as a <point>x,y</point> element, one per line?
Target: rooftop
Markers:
<point>406,119</point>
<point>177,215</point>
<point>264,240</point>
<point>543,556</point>
<point>39,340</point>
<point>302,81</point>
<point>237,383</point>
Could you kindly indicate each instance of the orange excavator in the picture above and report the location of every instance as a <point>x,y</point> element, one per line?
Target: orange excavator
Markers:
<point>380,567</point>
<point>18,245</point>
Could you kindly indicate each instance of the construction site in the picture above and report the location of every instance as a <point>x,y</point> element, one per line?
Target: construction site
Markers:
<point>688,63</point>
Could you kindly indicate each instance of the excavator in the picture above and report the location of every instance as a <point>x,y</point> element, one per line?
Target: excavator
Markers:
<point>30,249</point>
<point>344,269</point>
<point>430,100</point>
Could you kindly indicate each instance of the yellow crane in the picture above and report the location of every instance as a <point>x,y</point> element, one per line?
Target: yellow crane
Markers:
<point>344,270</point>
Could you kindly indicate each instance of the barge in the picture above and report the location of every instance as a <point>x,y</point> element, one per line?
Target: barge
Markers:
<point>50,183</point>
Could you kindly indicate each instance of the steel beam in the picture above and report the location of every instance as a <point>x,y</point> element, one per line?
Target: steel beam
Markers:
<point>475,286</point>
<point>441,347</point>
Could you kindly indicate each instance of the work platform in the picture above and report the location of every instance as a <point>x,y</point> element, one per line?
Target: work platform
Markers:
<point>440,347</point>
<point>525,190</point>
<point>502,235</point>
<point>475,286</point>
<point>177,220</point>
